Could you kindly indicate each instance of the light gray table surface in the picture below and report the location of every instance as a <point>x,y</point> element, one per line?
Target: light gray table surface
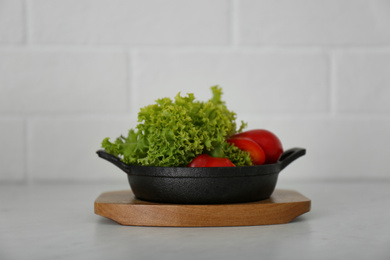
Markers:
<point>348,220</point>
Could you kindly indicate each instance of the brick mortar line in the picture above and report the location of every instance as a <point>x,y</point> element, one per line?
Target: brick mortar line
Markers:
<point>250,116</point>
<point>27,22</point>
<point>233,23</point>
<point>192,48</point>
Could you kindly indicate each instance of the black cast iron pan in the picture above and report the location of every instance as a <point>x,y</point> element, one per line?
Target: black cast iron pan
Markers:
<point>211,185</point>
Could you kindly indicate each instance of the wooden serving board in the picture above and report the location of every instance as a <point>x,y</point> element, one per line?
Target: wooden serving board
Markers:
<point>125,209</point>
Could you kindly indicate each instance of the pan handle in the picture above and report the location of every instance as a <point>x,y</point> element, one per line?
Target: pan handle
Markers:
<point>112,159</point>
<point>290,155</point>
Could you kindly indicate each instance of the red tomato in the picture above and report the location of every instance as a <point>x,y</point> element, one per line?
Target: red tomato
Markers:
<point>205,160</point>
<point>219,162</point>
<point>200,160</point>
<point>255,151</point>
<point>267,140</point>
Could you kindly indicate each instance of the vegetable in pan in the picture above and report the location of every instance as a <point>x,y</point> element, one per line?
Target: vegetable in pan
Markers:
<point>174,132</point>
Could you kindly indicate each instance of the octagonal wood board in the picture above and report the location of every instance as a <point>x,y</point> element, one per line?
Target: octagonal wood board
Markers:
<point>122,207</point>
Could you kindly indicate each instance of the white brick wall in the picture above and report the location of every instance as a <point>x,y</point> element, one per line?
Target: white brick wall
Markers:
<point>73,72</point>
<point>129,22</point>
<point>63,81</point>
<point>362,80</point>
<point>355,22</point>
<point>12,22</point>
<point>268,81</point>
<point>12,149</point>
<point>64,148</point>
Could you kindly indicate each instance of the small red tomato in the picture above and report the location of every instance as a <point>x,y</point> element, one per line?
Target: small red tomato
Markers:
<point>200,160</point>
<point>219,162</point>
<point>205,160</point>
<point>255,151</point>
<point>267,140</point>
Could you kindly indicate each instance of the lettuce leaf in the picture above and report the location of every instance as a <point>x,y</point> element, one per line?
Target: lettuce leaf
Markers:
<point>173,132</point>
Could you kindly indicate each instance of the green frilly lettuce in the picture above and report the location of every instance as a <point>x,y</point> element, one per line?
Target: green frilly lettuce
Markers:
<point>173,132</point>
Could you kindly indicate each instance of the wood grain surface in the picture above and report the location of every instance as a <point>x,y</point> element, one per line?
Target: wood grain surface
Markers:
<point>125,209</point>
